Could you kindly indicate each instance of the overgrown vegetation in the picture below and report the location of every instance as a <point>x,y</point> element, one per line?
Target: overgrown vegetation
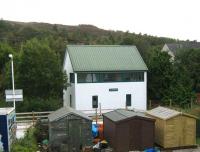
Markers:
<point>198,141</point>
<point>26,144</point>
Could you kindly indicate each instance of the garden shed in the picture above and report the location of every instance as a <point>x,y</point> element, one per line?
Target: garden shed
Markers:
<point>173,128</point>
<point>126,130</point>
<point>69,130</point>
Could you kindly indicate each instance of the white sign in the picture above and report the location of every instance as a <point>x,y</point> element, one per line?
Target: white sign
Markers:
<point>18,95</point>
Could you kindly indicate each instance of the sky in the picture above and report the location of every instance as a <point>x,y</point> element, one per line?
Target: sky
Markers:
<point>179,19</point>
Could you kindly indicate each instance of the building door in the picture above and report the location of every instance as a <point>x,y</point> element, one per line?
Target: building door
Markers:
<point>128,100</point>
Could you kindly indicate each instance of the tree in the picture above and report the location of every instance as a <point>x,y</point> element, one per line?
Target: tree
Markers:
<point>168,81</point>
<point>5,50</point>
<point>190,60</point>
<point>160,74</point>
<point>40,72</point>
<point>180,91</point>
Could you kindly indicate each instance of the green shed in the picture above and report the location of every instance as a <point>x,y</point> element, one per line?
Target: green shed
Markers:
<point>69,130</point>
<point>173,128</point>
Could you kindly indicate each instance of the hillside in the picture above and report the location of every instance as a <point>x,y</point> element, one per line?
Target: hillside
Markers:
<point>17,33</point>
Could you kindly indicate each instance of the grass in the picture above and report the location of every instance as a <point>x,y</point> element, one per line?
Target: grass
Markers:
<point>198,141</point>
<point>26,144</point>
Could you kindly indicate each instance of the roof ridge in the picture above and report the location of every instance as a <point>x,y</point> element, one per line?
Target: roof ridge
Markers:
<point>97,45</point>
<point>117,111</point>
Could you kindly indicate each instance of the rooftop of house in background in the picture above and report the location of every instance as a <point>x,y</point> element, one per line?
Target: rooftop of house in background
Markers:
<point>105,58</point>
<point>183,45</point>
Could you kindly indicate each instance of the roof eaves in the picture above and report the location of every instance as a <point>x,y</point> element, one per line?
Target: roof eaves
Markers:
<point>140,57</point>
<point>189,115</point>
<point>67,51</point>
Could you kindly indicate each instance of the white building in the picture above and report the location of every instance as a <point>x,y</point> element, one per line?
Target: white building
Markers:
<point>114,74</point>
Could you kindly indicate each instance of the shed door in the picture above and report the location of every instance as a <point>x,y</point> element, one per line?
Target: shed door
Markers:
<point>75,135</point>
<point>135,133</point>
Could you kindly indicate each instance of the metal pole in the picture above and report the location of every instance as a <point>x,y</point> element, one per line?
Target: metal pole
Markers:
<point>13,82</point>
<point>96,115</point>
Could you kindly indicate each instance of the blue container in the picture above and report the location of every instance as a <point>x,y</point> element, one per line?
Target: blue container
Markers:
<point>95,131</point>
<point>152,150</point>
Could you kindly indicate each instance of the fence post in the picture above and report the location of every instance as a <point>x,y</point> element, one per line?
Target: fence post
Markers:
<point>191,104</point>
<point>149,104</point>
<point>33,118</point>
<point>170,103</point>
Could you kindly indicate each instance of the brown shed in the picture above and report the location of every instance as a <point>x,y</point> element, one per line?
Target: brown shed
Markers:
<point>173,128</point>
<point>127,130</point>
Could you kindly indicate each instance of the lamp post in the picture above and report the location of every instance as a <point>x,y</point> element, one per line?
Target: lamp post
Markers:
<point>13,83</point>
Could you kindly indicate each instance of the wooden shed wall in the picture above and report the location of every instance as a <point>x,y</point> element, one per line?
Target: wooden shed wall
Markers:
<point>122,137</point>
<point>178,131</point>
<point>159,130</point>
<point>109,131</point>
<point>132,134</point>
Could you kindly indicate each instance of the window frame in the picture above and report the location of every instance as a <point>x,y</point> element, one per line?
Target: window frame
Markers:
<point>134,76</point>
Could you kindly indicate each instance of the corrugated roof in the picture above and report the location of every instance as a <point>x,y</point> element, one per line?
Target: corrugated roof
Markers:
<point>121,114</point>
<point>105,58</point>
<point>65,111</point>
<point>163,113</point>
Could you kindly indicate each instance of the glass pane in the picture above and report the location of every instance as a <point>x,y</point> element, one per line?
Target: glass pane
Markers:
<point>84,77</point>
<point>71,77</point>
<point>96,77</point>
<point>112,77</point>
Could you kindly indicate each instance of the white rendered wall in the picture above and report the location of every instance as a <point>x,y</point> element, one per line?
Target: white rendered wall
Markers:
<point>70,90</point>
<point>111,100</point>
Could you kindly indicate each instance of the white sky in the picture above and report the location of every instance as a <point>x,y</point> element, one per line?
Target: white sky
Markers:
<point>178,19</point>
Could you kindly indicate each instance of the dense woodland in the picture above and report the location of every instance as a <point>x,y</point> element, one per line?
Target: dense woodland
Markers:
<point>39,48</point>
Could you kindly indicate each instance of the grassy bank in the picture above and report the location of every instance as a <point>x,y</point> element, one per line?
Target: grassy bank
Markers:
<point>198,141</point>
<point>26,144</point>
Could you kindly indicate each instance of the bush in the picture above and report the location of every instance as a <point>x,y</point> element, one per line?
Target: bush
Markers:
<point>26,144</point>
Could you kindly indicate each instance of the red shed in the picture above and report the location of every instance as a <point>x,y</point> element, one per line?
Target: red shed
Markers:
<point>127,130</point>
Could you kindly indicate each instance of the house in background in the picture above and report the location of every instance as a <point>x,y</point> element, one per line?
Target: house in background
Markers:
<point>172,48</point>
<point>113,75</point>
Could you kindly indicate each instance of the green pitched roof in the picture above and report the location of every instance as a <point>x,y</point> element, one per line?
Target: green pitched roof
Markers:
<point>105,58</point>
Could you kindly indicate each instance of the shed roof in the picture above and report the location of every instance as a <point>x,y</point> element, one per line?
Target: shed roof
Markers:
<point>166,113</point>
<point>105,58</point>
<point>5,111</point>
<point>65,111</point>
<point>121,114</point>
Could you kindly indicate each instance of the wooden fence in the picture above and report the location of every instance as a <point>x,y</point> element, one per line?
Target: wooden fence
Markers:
<point>32,117</point>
